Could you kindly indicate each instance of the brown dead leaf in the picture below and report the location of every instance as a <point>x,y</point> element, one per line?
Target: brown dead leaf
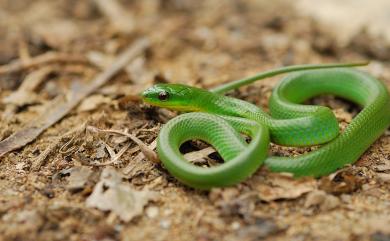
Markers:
<point>140,75</point>
<point>57,33</point>
<point>382,168</point>
<point>120,19</point>
<point>261,229</point>
<point>100,59</point>
<point>93,102</point>
<point>58,108</point>
<point>277,186</point>
<point>110,194</point>
<point>384,177</point>
<point>46,58</point>
<point>343,181</point>
<point>322,200</point>
<point>25,93</point>
<point>78,177</point>
<point>197,156</point>
<point>147,150</point>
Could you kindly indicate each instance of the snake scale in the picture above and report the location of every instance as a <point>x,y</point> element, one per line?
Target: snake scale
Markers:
<point>221,121</point>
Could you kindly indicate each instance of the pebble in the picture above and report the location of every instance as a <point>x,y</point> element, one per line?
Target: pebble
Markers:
<point>235,225</point>
<point>165,223</point>
<point>152,212</point>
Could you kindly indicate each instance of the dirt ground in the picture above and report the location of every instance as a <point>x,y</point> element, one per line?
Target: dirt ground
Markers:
<point>77,159</point>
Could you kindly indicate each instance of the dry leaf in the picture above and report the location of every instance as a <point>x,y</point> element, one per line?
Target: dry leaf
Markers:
<point>260,230</point>
<point>197,156</point>
<point>384,177</point>
<point>146,150</point>
<point>121,20</point>
<point>78,177</point>
<point>110,194</point>
<point>58,108</point>
<point>57,33</point>
<point>383,167</point>
<point>321,199</point>
<point>25,93</point>
<point>278,186</point>
<point>344,180</point>
<point>140,75</point>
<point>93,102</point>
<point>100,59</point>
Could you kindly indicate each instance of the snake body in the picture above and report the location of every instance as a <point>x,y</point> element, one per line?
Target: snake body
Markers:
<point>290,123</point>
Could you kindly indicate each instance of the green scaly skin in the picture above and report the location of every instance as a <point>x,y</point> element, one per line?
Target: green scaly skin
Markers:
<point>290,123</point>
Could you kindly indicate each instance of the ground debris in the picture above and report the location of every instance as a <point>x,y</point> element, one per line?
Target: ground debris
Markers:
<point>261,229</point>
<point>343,181</point>
<point>121,20</point>
<point>25,93</point>
<point>78,178</point>
<point>60,106</point>
<point>52,49</point>
<point>321,199</point>
<point>93,102</point>
<point>110,194</point>
<point>146,150</point>
<point>50,57</point>
<point>276,187</point>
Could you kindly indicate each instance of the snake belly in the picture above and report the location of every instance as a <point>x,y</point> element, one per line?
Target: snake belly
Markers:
<point>290,123</point>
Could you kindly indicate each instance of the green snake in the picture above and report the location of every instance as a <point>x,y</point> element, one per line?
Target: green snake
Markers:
<point>223,121</point>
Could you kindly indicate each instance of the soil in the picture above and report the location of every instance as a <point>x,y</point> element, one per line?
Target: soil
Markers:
<point>87,169</point>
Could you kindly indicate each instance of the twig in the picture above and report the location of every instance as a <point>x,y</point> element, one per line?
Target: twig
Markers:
<point>145,149</point>
<point>25,91</point>
<point>40,160</point>
<point>62,108</point>
<point>195,156</point>
<point>24,52</point>
<point>126,170</point>
<point>117,156</point>
<point>50,57</point>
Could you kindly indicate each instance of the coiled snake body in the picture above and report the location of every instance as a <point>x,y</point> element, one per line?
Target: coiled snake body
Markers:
<point>290,123</point>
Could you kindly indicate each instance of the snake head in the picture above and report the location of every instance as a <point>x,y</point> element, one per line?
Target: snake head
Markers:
<point>172,96</point>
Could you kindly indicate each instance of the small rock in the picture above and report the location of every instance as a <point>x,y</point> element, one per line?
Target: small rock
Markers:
<point>321,199</point>
<point>168,212</point>
<point>315,198</point>
<point>346,198</point>
<point>378,236</point>
<point>258,231</point>
<point>165,224</point>
<point>78,178</point>
<point>235,225</point>
<point>152,212</point>
<point>330,203</point>
<point>384,177</point>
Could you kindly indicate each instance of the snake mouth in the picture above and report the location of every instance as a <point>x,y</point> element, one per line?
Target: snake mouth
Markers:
<point>171,96</point>
<point>147,94</point>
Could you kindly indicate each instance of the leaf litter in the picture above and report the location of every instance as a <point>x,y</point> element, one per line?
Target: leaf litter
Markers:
<point>190,42</point>
<point>110,194</point>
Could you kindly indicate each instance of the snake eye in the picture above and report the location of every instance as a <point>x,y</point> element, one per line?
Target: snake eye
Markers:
<point>163,96</point>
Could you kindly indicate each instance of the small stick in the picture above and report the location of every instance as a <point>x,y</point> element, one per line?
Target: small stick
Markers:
<point>62,108</point>
<point>40,160</point>
<point>50,57</point>
<point>145,149</point>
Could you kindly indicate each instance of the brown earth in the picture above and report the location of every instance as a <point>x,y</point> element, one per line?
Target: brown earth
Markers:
<point>92,173</point>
